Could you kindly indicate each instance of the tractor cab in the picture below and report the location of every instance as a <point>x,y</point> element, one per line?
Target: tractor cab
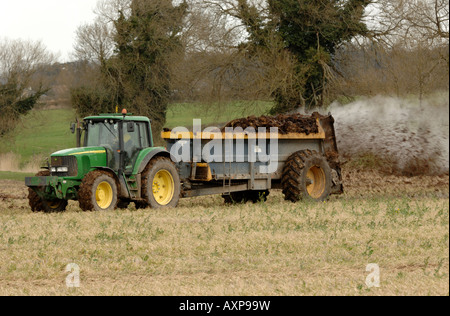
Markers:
<point>122,136</point>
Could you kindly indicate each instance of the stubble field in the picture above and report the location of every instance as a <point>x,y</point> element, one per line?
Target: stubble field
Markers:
<point>206,248</point>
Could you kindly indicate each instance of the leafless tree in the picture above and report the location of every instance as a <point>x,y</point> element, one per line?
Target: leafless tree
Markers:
<point>217,67</point>
<point>407,54</point>
<point>94,42</point>
<point>22,65</point>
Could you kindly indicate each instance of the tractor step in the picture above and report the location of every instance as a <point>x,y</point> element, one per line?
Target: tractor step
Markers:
<point>134,187</point>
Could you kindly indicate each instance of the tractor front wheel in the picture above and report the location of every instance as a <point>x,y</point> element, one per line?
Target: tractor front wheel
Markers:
<point>161,186</point>
<point>98,192</point>
<point>38,204</point>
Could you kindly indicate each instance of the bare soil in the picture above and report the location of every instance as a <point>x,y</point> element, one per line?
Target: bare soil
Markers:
<point>358,183</point>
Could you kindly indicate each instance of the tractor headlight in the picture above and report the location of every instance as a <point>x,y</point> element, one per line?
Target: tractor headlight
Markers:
<point>62,169</point>
<point>53,169</point>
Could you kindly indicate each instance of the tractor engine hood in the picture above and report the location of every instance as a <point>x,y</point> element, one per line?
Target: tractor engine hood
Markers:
<point>80,151</point>
<point>77,162</point>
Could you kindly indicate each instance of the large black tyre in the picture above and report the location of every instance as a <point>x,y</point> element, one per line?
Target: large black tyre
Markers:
<point>98,192</point>
<point>40,205</point>
<point>161,185</point>
<point>306,175</point>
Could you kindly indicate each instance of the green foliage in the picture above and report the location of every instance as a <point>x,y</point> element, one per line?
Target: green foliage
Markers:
<point>15,102</point>
<point>86,99</point>
<point>311,30</point>
<point>146,43</point>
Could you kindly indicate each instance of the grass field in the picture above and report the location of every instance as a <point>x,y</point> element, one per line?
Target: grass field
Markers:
<point>40,133</point>
<point>182,114</point>
<point>18,176</point>
<point>203,247</point>
<point>43,132</point>
<point>206,248</point>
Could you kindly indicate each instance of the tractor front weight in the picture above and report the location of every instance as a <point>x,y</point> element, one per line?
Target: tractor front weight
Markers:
<point>50,188</point>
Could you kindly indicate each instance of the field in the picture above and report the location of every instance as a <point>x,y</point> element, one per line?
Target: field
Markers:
<point>206,248</point>
<point>45,131</point>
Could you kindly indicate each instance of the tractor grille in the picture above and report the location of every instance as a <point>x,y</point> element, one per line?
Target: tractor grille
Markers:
<point>69,161</point>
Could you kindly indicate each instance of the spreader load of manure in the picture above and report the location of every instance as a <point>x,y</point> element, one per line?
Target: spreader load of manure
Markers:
<point>287,124</point>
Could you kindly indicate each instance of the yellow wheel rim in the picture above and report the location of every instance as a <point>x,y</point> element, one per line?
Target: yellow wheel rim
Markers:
<point>104,195</point>
<point>317,182</point>
<point>53,204</point>
<point>163,187</point>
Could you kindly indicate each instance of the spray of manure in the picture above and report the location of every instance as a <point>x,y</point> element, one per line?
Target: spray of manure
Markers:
<point>410,137</point>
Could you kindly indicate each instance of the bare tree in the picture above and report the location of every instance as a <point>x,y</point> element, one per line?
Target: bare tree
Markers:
<point>94,42</point>
<point>22,64</point>
<point>218,67</point>
<point>407,53</point>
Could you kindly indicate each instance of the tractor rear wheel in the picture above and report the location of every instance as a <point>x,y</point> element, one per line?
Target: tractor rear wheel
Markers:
<point>38,204</point>
<point>306,175</point>
<point>98,192</point>
<point>161,186</point>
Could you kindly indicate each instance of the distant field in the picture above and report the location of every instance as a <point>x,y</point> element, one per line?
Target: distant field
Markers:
<point>39,134</point>
<point>182,114</point>
<point>45,131</point>
<point>206,248</point>
<point>19,176</point>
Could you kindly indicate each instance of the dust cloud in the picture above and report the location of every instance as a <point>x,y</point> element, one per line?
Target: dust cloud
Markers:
<point>411,137</point>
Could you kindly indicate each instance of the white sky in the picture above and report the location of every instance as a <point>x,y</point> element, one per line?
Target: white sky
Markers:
<point>54,22</point>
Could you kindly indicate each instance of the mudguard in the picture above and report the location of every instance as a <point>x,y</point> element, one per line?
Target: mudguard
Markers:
<point>147,155</point>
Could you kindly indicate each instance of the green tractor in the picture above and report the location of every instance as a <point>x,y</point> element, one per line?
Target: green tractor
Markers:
<point>117,165</point>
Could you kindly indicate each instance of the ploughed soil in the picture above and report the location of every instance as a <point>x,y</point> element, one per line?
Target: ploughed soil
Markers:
<point>294,123</point>
<point>358,183</point>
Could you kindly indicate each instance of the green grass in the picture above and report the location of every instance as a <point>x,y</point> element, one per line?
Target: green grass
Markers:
<point>40,133</point>
<point>19,176</point>
<point>43,132</point>
<point>182,114</point>
<point>205,248</point>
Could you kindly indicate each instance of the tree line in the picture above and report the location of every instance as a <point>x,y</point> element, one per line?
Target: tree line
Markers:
<point>142,54</point>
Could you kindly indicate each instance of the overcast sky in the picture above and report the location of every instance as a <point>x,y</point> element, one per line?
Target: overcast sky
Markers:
<point>52,21</point>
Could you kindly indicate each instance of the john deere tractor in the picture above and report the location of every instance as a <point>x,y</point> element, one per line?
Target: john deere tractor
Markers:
<point>117,164</point>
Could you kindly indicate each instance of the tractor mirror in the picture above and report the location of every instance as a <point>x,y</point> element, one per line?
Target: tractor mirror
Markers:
<point>73,127</point>
<point>130,127</point>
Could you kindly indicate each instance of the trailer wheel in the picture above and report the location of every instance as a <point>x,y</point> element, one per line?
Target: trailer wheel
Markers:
<point>161,186</point>
<point>306,175</point>
<point>39,205</point>
<point>98,192</point>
